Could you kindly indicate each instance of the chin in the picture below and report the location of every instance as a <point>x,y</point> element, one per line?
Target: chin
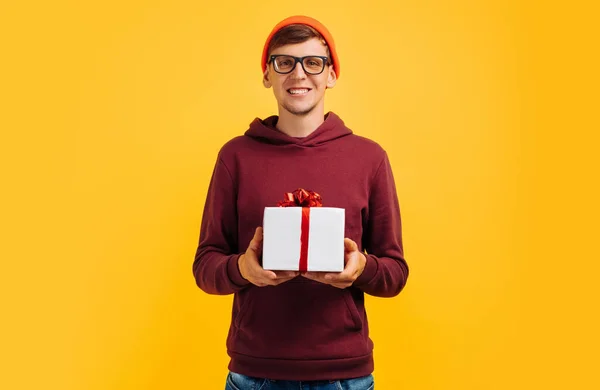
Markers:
<point>299,111</point>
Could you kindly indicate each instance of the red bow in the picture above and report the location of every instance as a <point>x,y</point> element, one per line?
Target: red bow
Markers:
<point>301,198</point>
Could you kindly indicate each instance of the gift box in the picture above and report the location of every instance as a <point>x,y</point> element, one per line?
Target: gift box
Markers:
<point>302,235</point>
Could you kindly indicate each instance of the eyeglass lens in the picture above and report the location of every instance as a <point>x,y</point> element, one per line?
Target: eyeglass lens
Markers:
<point>286,64</point>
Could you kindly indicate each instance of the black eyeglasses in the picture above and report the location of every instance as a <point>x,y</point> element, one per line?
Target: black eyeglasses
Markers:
<point>285,64</point>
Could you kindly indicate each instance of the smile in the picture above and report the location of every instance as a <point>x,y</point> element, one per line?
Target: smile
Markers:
<point>298,91</point>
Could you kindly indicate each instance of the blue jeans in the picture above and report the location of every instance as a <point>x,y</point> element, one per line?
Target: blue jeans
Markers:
<point>237,381</point>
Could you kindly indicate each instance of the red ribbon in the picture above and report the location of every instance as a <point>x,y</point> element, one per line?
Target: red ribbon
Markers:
<point>301,198</point>
<point>303,262</point>
<point>306,200</point>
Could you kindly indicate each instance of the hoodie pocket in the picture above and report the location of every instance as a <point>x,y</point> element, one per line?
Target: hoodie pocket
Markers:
<point>352,309</point>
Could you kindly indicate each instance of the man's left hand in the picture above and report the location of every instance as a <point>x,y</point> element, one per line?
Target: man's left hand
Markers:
<point>354,261</point>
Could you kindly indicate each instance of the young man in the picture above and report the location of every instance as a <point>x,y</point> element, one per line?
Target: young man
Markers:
<point>290,329</point>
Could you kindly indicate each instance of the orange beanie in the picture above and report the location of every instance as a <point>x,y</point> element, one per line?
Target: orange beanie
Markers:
<point>299,19</point>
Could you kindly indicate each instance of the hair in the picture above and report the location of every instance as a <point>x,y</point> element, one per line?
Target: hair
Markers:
<point>296,33</point>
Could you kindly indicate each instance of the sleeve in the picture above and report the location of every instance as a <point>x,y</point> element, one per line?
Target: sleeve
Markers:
<point>215,265</point>
<point>386,271</point>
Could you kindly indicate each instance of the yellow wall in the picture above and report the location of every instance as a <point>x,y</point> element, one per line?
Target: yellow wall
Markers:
<point>112,115</point>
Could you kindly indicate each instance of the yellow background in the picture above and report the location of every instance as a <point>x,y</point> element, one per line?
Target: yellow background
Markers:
<point>112,114</point>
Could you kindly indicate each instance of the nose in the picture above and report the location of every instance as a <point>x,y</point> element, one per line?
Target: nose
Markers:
<point>298,71</point>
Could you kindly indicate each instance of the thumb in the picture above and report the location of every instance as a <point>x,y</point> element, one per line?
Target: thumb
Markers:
<point>349,245</point>
<point>256,243</point>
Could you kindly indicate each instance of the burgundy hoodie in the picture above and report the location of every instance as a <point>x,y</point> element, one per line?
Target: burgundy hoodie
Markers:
<point>300,329</point>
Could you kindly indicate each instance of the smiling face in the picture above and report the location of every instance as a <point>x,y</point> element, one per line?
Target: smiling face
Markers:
<point>297,92</point>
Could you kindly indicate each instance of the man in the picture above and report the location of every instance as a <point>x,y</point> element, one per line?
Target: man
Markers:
<point>291,329</point>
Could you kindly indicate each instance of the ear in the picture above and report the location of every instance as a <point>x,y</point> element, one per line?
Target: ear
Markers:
<point>266,78</point>
<point>331,78</point>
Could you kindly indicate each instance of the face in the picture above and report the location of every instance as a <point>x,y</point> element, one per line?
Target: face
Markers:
<point>297,92</point>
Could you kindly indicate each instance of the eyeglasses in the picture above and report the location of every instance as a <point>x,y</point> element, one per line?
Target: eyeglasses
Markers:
<point>285,64</point>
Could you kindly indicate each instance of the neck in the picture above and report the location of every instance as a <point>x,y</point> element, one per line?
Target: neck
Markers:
<point>300,126</point>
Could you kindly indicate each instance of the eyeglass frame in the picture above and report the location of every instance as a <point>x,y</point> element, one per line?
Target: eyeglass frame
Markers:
<point>326,61</point>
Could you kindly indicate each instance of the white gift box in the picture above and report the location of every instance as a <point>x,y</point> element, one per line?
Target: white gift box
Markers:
<point>282,239</point>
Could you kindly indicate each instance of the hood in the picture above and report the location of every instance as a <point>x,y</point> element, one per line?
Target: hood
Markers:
<point>264,130</point>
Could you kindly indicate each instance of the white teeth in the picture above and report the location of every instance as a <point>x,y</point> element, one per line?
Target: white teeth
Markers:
<point>298,91</point>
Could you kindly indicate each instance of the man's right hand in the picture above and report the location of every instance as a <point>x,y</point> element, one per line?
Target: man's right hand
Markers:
<point>253,272</point>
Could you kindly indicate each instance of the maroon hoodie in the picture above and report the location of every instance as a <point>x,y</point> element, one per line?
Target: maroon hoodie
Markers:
<point>300,329</point>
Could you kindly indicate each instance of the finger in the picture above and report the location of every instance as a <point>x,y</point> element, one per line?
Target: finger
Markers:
<point>308,275</point>
<point>349,245</point>
<point>281,280</point>
<point>350,270</point>
<point>268,278</point>
<point>256,241</point>
<point>264,276</point>
<point>259,242</point>
<point>287,274</point>
<point>316,276</point>
<point>251,260</point>
<point>283,276</point>
<point>345,276</point>
<point>278,280</point>
<point>338,278</point>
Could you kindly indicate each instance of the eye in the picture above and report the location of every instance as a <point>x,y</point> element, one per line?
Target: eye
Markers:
<point>285,62</point>
<point>313,62</point>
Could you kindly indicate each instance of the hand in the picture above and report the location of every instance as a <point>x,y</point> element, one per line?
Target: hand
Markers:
<point>253,272</point>
<point>354,262</point>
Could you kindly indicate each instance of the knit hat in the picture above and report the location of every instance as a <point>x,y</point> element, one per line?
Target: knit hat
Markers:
<point>299,19</point>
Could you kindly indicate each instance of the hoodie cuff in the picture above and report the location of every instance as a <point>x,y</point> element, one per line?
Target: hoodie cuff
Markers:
<point>233,271</point>
<point>369,271</point>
